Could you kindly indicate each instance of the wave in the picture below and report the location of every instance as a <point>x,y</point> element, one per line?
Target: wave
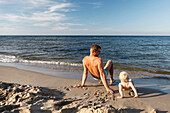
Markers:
<point>14,59</point>
<point>143,70</point>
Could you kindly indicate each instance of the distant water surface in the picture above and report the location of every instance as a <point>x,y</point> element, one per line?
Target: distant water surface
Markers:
<point>138,53</point>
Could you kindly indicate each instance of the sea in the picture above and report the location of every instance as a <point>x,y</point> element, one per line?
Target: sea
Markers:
<point>141,56</point>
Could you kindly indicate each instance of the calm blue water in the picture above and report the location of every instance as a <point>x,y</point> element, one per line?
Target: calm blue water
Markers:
<point>139,53</point>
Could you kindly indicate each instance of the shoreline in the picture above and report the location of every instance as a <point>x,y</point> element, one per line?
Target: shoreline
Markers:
<point>93,96</point>
<point>145,80</point>
<point>16,60</point>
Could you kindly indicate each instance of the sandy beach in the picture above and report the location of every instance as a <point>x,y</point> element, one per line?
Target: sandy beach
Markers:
<point>26,91</point>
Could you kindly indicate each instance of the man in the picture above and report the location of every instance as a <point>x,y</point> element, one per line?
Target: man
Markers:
<point>94,64</point>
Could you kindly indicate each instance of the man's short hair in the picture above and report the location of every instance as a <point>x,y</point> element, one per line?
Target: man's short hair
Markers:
<point>95,47</point>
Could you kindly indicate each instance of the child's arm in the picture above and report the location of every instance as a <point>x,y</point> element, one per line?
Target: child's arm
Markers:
<point>120,90</point>
<point>133,88</point>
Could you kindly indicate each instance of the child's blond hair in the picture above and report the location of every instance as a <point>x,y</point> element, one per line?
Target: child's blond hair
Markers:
<point>123,76</point>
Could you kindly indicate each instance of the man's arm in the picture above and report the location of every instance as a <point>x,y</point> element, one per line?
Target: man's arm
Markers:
<point>84,77</point>
<point>103,77</point>
<point>85,73</point>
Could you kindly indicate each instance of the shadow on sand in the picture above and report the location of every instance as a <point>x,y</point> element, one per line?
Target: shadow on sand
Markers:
<point>148,92</point>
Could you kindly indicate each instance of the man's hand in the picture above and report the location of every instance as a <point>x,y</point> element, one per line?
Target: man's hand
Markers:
<point>78,85</point>
<point>110,91</point>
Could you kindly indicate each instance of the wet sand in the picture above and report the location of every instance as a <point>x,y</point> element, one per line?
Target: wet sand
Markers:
<point>43,93</point>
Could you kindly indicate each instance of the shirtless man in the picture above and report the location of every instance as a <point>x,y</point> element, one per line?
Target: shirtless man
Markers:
<point>94,64</point>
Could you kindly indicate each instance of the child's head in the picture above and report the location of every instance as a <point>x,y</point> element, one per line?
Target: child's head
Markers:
<point>123,76</point>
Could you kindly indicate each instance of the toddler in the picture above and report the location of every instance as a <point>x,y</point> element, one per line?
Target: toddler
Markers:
<point>125,85</point>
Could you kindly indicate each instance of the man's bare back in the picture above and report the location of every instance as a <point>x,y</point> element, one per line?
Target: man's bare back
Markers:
<point>92,62</point>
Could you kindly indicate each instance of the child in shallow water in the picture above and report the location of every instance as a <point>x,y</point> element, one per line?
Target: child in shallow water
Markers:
<point>125,85</point>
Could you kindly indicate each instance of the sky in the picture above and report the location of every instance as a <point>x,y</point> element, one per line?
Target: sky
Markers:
<point>84,17</point>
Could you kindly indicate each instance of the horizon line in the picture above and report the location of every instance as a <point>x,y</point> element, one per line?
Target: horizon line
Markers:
<point>84,35</point>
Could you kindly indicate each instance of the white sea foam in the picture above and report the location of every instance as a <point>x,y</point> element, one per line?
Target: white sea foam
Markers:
<point>14,59</point>
<point>8,59</point>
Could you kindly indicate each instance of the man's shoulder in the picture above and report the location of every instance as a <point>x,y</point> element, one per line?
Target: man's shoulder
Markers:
<point>86,57</point>
<point>99,59</point>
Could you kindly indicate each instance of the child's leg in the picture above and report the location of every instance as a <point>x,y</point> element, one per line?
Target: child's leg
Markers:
<point>120,91</point>
<point>131,93</point>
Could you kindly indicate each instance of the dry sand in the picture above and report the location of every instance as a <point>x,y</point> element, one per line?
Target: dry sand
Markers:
<point>26,91</point>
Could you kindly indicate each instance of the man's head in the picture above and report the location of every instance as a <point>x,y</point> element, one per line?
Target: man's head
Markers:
<point>95,49</point>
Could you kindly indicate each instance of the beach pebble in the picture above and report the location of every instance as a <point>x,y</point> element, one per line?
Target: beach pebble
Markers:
<point>86,94</point>
<point>66,88</point>
<point>85,88</point>
<point>25,111</point>
<point>9,87</point>
<point>71,86</point>
<point>97,93</point>
<point>89,101</point>
<point>153,111</point>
